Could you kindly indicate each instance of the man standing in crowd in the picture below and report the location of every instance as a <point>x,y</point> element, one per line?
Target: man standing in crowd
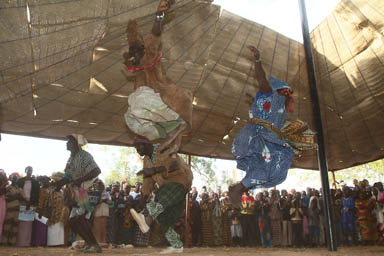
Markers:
<point>136,192</point>
<point>31,188</point>
<point>80,172</point>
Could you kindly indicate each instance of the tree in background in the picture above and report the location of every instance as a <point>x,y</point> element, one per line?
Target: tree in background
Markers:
<point>123,163</point>
<point>126,164</point>
<point>300,179</point>
<point>373,172</point>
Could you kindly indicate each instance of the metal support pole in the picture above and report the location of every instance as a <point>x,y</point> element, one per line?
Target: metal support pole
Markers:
<point>321,154</point>
<point>188,235</point>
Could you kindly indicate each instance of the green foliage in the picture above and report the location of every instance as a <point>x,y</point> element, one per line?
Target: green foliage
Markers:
<point>226,180</point>
<point>124,163</point>
<point>204,168</point>
<point>373,172</point>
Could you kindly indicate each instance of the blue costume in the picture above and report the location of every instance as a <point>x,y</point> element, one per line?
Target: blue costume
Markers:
<point>258,151</point>
<point>348,213</point>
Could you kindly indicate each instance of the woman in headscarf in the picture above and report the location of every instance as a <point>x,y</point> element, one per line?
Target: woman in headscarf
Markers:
<point>367,221</point>
<point>56,227</point>
<point>262,207</point>
<point>206,221</point>
<point>378,187</point>
<point>217,224</point>
<point>3,206</point>
<point>13,196</point>
<point>276,217</point>
<point>226,208</point>
<point>41,229</point>
<point>314,221</point>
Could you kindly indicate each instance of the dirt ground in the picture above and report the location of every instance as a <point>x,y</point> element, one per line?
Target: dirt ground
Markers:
<point>351,251</point>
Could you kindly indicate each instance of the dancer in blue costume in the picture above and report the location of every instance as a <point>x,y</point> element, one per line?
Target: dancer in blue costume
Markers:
<point>258,149</point>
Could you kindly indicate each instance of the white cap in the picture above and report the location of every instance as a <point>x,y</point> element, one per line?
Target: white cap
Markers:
<point>81,140</point>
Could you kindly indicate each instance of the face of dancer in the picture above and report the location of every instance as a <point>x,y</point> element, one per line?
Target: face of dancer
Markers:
<point>72,144</point>
<point>144,148</point>
<point>135,54</point>
<point>287,98</point>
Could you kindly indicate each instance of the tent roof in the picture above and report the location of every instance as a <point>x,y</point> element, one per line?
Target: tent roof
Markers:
<point>64,73</point>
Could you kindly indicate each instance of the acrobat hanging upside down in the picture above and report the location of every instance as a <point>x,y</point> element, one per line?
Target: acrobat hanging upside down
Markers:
<point>158,108</point>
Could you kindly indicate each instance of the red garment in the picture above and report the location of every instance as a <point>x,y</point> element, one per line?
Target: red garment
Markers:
<point>248,206</point>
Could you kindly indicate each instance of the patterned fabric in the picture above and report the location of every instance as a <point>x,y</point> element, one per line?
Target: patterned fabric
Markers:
<point>277,235</point>
<point>172,198</point>
<point>247,205</point>
<point>11,221</point>
<point>56,205</point>
<point>366,220</point>
<point>148,115</point>
<point>217,225</point>
<point>296,134</point>
<point>42,207</point>
<point>225,208</point>
<point>206,224</point>
<point>380,217</point>
<point>79,165</point>
<point>173,238</point>
<point>111,230</point>
<point>348,214</point>
<point>154,209</point>
<point>140,238</point>
<point>265,231</point>
<point>260,152</point>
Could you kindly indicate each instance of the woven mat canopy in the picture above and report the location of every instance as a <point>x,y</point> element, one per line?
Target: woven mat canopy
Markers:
<point>62,72</point>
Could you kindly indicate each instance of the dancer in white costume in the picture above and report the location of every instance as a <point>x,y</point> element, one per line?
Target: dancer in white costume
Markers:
<point>158,108</point>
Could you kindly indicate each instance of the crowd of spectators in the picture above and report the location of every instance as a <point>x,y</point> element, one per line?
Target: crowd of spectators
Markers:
<point>33,213</point>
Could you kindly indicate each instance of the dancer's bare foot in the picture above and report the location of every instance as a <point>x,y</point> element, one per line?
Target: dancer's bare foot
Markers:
<point>235,193</point>
<point>255,52</point>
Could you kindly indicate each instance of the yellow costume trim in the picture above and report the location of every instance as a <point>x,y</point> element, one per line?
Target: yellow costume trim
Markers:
<point>296,134</point>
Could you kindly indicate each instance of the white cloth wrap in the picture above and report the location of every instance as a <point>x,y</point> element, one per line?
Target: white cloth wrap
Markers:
<point>145,108</point>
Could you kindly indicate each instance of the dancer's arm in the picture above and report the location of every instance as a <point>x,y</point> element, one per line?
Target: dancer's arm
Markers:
<point>259,71</point>
<point>157,26</point>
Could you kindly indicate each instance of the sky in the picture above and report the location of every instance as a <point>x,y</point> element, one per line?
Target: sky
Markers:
<point>47,156</point>
<point>282,16</point>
